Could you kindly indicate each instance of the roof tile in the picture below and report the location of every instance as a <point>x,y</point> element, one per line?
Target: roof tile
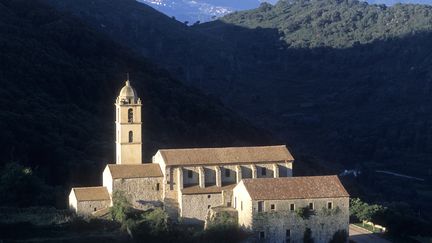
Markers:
<point>295,188</point>
<point>229,155</point>
<point>134,171</point>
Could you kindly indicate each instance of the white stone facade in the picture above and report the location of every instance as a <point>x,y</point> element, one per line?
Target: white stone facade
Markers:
<point>279,220</point>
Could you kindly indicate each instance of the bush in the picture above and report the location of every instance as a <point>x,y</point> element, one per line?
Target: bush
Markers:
<point>121,207</point>
<point>19,186</point>
<point>361,211</point>
<point>223,232</point>
<point>304,212</point>
<point>222,218</point>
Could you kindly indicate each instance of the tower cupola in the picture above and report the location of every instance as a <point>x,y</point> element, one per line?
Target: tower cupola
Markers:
<point>128,95</point>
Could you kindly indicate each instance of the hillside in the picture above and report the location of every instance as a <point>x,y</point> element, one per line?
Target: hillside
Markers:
<point>57,95</point>
<point>347,99</point>
<point>334,23</point>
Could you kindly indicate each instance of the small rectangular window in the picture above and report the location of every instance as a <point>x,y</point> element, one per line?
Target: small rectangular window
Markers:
<point>157,187</point>
<point>241,205</point>
<point>227,172</point>
<point>260,206</point>
<point>263,171</point>
<point>292,207</point>
<point>311,206</point>
<point>329,205</point>
<point>208,206</point>
<point>262,235</point>
<point>208,196</point>
<point>272,207</point>
<point>228,204</point>
<point>190,174</point>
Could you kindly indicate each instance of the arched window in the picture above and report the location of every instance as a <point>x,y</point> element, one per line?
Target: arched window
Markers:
<point>130,115</point>
<point>130,136</point>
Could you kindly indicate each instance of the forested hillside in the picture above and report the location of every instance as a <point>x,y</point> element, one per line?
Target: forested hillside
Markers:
<point>59,80</point>
<point>342,82</point>
<point>335,23</point>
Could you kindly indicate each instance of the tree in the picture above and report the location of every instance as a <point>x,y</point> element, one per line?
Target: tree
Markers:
<point>121,207</point>
<point>19,186</point>
<point>363,211</point>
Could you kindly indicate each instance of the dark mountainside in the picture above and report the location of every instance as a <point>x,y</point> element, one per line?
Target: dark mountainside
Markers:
<point>344,83</point>
<point>59,80</point>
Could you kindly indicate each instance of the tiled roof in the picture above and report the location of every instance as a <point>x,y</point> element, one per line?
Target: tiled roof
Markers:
<point>230,155</point>
<point>99,193</point>
<point>295,188</point>
<point>206,190</point>
<point>134,171</point>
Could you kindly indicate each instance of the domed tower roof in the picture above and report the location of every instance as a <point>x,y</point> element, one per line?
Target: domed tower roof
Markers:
<point>128,94</point>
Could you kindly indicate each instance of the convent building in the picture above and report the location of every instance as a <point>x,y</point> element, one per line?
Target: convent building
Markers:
<point>255,182</point>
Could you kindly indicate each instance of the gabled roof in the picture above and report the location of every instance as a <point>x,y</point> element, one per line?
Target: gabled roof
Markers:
<point>134,171</point>
<point>99,193</point>
<point>229,155</point>
<point>304,187</point>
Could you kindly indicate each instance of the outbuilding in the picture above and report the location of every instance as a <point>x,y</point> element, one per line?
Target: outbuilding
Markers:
<point>86,200</point>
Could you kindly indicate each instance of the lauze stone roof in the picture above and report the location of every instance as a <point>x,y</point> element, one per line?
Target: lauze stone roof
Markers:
<point>230,155</point>
<point>134,171</point>
<point>99,193</point>
<point>295,188</point>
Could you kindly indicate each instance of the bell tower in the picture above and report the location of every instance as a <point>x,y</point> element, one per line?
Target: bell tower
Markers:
<point>128,126</point>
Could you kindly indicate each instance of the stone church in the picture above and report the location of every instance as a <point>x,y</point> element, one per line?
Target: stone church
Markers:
<point>256,183</point>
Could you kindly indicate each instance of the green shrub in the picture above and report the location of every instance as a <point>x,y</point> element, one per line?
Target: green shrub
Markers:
<point>121,207</point>
<point>304,212</point>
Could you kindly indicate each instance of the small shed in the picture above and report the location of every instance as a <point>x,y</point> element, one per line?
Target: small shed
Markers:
<point>86,200</point>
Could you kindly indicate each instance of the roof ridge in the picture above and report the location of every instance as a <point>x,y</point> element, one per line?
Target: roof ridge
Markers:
<point>234,147</point>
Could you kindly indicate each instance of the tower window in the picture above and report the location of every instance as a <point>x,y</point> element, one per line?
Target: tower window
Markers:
<point>263,171</point>
<point>157,186</point>
<point>130,115</point>
<point>130,136</point>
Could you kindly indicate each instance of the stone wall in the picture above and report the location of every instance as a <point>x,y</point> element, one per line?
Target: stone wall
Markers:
<point>195,207</point>
<point>141,191</point>
<point>88,207</point>
<point>323,223</point>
